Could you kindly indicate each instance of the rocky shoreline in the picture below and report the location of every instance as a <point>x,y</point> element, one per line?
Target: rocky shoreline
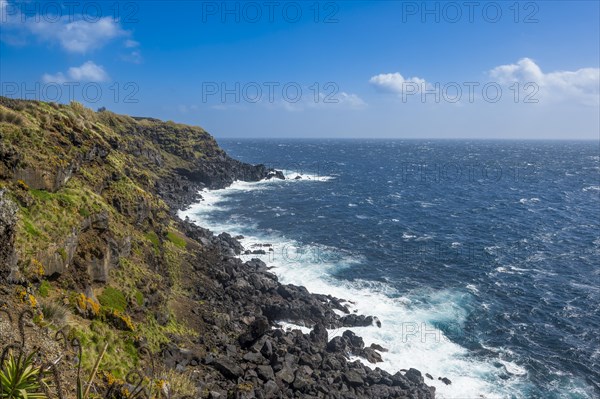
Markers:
<point>286,363</point>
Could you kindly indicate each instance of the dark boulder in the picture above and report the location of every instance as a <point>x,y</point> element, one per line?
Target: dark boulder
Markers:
<point>256,330</point>
<point>228,368</point>
<point>319,335</point>
<point>354,320</point>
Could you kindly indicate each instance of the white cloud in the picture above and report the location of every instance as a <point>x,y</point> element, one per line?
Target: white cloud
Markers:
<point>135,57</point>
<point>352,100</point>
<point>581,85</point>
<point>131,43</point>
<point>341,100</point>
<point>88,72</point>
<point>74,33</point>
<point>58,78</point>
<point>185,109</point>
<point>334,100</point>
<point>396,83</point>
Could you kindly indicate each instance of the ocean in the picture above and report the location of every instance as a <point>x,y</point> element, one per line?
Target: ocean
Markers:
<point>481,259</point>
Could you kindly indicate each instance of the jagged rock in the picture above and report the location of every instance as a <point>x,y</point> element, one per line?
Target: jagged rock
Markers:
<point>355,342</point>
<point>415,376</point>
<point>8,222</point>
<point>378,348</point>
<point>371,355</point>
<point>267,349</point>
<point>228,368</point>
<point>286,374</point>
<point>303,378</point>
<point>271,389</point>
<point>337,344</point>
<point>255,358</point>
<point>265,372</point>
<point>354,320</point>
<point>40,179</point>
<point>319,335</point>
<point>353,378</point>
<point>445,380</point>
<point>312,360</point>
<point>256,329</point>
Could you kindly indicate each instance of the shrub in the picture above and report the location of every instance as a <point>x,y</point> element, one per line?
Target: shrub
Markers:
<point>11,117</point>
<point>87,306</point>
<point>120,320</point>
<point>44,289</point>
<point>22,185</point>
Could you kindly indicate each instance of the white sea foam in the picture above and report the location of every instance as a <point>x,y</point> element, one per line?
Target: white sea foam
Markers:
<point>298,176</point>
<point>408,321</point>
<point>530,200</point>
<point>472,288</point>
<point>591,188</point>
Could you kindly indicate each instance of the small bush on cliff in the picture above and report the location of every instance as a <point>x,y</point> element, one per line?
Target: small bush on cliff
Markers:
<point>44,289</point>
<point>85,306</point>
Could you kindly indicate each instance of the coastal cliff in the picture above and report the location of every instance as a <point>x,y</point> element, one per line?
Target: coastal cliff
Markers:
<point>90,245</point>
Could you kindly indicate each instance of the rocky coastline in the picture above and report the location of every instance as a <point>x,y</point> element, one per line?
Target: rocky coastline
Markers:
<point>93,248</point>
<point>287,363</point>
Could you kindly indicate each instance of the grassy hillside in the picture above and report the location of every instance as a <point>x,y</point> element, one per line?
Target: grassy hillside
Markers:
<point>98,253</point>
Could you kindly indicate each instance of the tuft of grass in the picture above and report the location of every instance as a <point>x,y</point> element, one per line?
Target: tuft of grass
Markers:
<point>63,254</point>
<point>30,229</point>
<point>44,289</point>
<point>153,238</point>
<point>55,314</point>
<point>113,299</point>
<point>139,297</point>
<point>41,195</point>
<point>11,117</point>
<point>176,239</point>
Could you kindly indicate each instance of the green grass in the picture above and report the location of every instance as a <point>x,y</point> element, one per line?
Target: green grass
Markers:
<point>176,239</point>
<point>113,299</point>
<point>121,355</point>
<point>30,229</point>
<point>41,195</point>
<point>139,298</point>
<point>153,238</point>
<point>63,254</point>
<point>44,289</point>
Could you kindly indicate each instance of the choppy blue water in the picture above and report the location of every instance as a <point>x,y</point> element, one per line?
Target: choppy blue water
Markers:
<point>482,258</point>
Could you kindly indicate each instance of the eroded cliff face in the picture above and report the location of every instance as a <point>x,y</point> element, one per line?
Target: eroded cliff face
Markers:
<point>87,184</point>
<point>8,231</point>
<point>87,223</point>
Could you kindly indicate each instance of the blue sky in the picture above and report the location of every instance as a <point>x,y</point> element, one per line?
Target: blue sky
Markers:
<point>398,69</point>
